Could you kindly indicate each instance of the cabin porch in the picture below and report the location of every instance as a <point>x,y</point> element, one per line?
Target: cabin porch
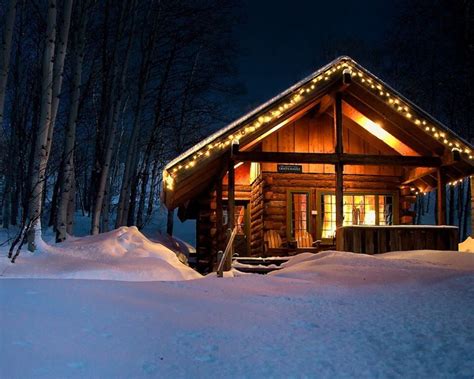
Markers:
<point>290,202</point>
<point>339,149</point>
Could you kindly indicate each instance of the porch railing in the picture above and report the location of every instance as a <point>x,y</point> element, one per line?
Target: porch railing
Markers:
<point>227,255</point>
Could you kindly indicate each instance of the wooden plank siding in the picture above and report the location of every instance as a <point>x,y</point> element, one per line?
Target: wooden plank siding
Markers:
<point>316,135</point>
<point>380,239</point>
<point>273,189</point>
<point>256,217</point>
<point>205,233</point>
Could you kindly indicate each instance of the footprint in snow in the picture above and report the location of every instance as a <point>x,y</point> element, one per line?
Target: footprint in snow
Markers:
<point>149,368</point>
<point>76,365</point>
<point>304,324</point>
<point>106,335</point>
<point>205,358</point>
<point>22,343</point>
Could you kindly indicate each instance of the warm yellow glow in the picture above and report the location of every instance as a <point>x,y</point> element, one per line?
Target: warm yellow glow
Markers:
<point>377,131</point>
<point>254,171</point>
<point>302,93</point>
<point>168,180</point>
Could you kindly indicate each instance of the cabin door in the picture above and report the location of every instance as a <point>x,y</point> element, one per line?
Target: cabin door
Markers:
<point>242,222</point>
<point>299,213</point>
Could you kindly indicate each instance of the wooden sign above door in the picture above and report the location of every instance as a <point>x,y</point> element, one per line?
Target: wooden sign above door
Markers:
<point>289,168</point>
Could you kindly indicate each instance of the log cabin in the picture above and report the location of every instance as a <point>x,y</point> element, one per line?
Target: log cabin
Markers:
<point>338,158</point>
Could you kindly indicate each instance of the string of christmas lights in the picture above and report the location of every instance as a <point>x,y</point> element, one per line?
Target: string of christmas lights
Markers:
<point>305,91</point>
<point>454,183</point>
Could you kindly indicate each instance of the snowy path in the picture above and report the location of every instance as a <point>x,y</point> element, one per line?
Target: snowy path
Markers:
<point>250,326</point>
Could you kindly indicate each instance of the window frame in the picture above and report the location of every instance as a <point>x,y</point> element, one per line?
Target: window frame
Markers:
<point>395,206</point>
<point>289,213</point>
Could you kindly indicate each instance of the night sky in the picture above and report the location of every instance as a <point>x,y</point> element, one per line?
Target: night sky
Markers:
<point>283,41</point>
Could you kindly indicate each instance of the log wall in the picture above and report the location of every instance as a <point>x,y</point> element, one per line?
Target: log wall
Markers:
<point>256,217</point>
<point>276,186</point>
<point>204,233</point>
<point>208,240</point>
<point>407,199</point>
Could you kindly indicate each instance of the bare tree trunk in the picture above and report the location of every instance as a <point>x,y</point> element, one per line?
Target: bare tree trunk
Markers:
<point>106,208</point>
<point>122,213</point>
<point>59,57</point>
<point>169,222</point>
<point>68,180</point>
<point>71,206</point>
<point>9,181</point>
<point>131,205</point>
<point>104,173</point>
<point>5,54</point>
<point>53,214</point>
<point>143,191</point>
<point>115,112</point>
<point>151,197</point>
<point>40,159</point>
<point>132,150</point>
<point>4,69</point>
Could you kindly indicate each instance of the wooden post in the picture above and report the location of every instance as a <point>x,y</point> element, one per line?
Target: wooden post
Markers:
<point>338,146</point>
<point>339,167</point>
<point>219,213</point>
<point>441,196</point>
<point>169,222</point>
<point>230,209</point>
<point>472,205</point>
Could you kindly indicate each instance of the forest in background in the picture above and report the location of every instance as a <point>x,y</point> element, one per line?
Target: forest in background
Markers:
<point>97,95</point>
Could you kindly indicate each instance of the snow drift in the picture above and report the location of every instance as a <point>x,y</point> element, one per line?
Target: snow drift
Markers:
<point>467,246</point>
<point>122,254</point>
<point>394,267</point>
<point>411,318</point>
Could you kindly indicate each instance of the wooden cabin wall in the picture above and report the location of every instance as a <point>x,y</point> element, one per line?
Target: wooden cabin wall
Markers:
<point>256,217</point>
<point>316,135</point>
<point>277,185</point>
<point>407,199</point>
<point>205,232</point>
<point>208,241</point>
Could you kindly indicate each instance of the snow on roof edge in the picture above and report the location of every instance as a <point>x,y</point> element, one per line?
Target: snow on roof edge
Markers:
<point>412,104</point>
<point>306,79</point>
<point>253,112</point>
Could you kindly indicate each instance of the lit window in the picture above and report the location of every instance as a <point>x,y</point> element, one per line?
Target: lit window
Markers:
<point>385,210</point>
<point>357,210</point>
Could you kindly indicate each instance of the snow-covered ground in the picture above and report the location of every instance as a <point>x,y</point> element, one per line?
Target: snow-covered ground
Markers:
<point>333,314</point>
<point>122,254</point>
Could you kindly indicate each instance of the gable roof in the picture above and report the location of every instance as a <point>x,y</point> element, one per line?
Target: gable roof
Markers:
<point>200,163</point>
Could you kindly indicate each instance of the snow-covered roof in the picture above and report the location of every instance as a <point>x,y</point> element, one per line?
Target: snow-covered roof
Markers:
<point>249,115</point>
<point>277,108</point>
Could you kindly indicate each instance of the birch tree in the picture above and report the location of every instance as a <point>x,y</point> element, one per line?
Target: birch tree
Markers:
<point>117,93</point>
<point>5,53</point>
<point>147,49</point>
<point>40,150</point>
<point>67,183</point>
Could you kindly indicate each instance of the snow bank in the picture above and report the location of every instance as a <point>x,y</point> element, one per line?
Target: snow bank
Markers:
<point>122,254</point>
<point>467,246</point>
<point>395,267</point>
<point>181,248</point>
<point>253,326</point>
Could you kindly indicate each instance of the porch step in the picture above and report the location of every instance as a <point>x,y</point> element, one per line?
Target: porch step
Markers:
<point>257,265</point>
